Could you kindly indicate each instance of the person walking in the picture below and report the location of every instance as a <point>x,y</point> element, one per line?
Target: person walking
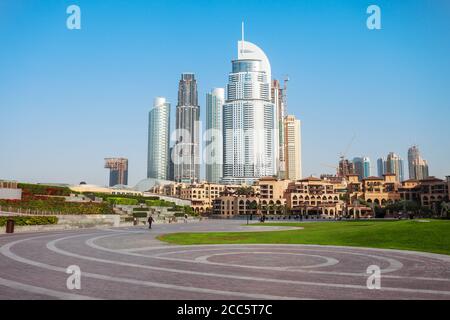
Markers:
<point>185,218</point>
<point>150,221</point>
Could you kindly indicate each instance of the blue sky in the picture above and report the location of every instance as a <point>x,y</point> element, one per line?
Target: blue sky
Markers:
<point>69,98</point>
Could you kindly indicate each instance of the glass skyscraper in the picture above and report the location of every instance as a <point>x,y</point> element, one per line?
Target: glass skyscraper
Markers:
<point>214,139</point>
<point>381,166</point>
<point>279,100</point>
<point>249,123</point>
<point>186,150</point>
<point>362,167</point>
<point>158,139</point>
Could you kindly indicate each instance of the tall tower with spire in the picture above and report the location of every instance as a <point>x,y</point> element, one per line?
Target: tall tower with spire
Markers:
<point>249,118</point>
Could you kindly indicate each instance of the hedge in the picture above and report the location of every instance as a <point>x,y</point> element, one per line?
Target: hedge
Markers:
<point>122,201</point>
<point>29,189</point>
<point>105,196</point>
<point>140,214</point>
<point>159,203</point>
<point>29,220</point>
<point>59,206</point>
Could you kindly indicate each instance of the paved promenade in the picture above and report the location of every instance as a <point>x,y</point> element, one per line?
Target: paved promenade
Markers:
<point>129,263</point>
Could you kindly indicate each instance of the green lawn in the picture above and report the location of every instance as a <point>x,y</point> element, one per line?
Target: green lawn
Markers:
<point>432,236</point>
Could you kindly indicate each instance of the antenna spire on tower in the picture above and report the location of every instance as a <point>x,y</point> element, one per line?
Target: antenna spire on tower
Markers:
<point>242,43</point>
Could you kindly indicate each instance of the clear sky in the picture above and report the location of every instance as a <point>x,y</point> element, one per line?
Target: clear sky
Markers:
<point>69,98</point>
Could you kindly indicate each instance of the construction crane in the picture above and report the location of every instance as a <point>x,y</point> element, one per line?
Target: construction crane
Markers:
<point>329,165</point>
<point>344,154</point>
<point>344,166</point>
<point>285,87</point>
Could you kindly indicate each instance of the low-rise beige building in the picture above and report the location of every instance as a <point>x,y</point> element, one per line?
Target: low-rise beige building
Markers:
<point>313,196</point>
<point>230,205</point>
<point>271,195</point>
<point>381,191</point>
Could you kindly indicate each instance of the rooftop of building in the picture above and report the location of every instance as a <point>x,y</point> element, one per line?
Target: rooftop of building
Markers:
<point>431,179</point>
<point>373,178</point>
<point>311,178</point>
<point>411,180</point>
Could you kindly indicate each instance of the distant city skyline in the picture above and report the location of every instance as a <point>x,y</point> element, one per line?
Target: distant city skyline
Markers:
<point>70,98</point>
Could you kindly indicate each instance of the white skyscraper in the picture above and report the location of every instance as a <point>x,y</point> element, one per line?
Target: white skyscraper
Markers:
<point>394,164</point>
<point>249,124</point>
<point>214,139</point>
<point>418,167</point>
<point>158,139</point>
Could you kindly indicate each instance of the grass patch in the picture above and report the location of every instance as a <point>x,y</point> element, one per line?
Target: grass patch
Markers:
<point>433,236</point>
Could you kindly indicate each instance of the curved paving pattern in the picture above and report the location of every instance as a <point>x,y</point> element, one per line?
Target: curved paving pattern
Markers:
<point>129,263</point>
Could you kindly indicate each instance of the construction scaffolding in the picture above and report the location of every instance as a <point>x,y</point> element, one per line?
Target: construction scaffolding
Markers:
<point>118,171</point>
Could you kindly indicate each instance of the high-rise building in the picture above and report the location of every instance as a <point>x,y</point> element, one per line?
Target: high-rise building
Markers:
<point>418,167</point>
<point>158,139</point>
<point>345,168</point>
<point>186,151</point>
<point>214,139</point>
<point>293,148</point>
<point>171,173</point>
<point>279,100</point>
<point>394,165</point>
<point>367,167</point>
<point>249,124</point>
<point>362,167</point>
<point>381,167</point>
<point>118,171</point>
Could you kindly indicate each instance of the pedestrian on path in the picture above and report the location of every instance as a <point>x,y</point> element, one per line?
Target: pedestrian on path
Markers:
<point>150,221</point>
<point>185,218</point>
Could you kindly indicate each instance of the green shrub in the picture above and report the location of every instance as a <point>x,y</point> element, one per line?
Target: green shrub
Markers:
<point>29,189</point>
<point>159,203</point>
<point>122,201</point>
<point>140,214</point>
<point>105,196</point>
<point>59,206</point>
<point>29,220</point>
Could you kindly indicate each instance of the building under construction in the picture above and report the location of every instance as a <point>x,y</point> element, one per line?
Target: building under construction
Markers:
<point>118,171</point>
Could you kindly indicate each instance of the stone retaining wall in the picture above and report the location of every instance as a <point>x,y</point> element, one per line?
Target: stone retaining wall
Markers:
<point>69,222</point>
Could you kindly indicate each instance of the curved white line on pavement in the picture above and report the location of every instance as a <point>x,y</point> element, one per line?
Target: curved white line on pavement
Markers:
<point>394,265</point>
<point>43,291</point>
<point>6,250</point>
<point>328,261</point>
<point>51,246</point>
<point>211,247</point>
